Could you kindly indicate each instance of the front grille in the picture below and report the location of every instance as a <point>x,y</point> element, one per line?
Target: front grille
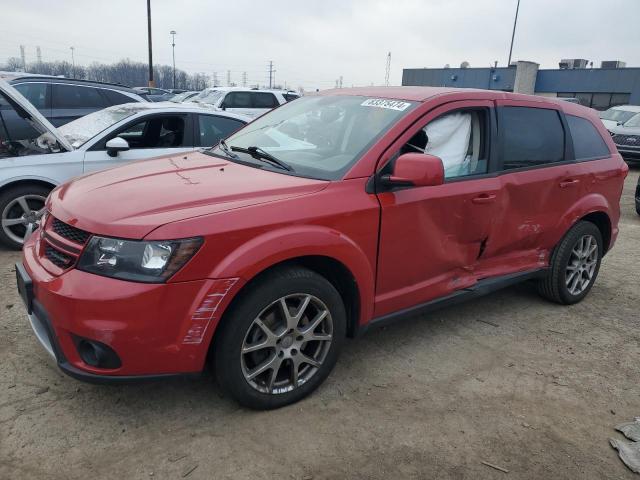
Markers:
<point>57,257</point>
<point>627,140</point>
<point>70,233</point>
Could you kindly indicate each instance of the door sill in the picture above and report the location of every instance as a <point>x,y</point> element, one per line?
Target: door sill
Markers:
<point>481,288</point>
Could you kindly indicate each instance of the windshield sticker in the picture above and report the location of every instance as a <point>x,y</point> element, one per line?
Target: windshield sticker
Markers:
<point>389,104</point>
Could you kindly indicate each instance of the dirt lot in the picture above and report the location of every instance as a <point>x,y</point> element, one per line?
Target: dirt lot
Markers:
<point>536,391</point>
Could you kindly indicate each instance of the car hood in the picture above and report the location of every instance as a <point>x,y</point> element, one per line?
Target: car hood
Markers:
<point>132,200</point>
<point>622,130</point>
<point>26,110</point>
<point>609,124</point>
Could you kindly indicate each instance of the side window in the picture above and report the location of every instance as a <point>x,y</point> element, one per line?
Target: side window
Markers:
<point>264,100</point>
<point>459,139</point>
<point>213,129</point>
<point>587,142</point>
<point>116,98</point>
<point>36,93</point>
<point>74,96</point>
<point>158,132</point>
<point>238,100</point>
<point>531,137</point>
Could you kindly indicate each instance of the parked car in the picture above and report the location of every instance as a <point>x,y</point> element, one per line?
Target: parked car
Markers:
<point>627,139</point>
<point>247,101</point>
<point>183,97</point>
<point>616,116</point>
<point>155,94</point>
<point>61,100</point>
<point>29,169</point>
<point>638,197</point>
<point>319,220</point>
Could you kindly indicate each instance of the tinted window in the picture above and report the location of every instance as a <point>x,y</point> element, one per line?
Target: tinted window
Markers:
<point>73,96</point>
<point>587,142</point>
<point>264,100</point>
<point>213,128</point>
<point>530,137</point>
<point>238,100</point>
<point>36,93</point>
<point>117,98</point>
<point>290,96</point>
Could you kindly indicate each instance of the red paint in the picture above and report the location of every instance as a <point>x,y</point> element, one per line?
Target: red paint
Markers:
<point>402,248</point>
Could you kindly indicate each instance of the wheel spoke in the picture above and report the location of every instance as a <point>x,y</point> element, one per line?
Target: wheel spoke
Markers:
<point>274,374</point>
<point>9,222</point>
<point>574,284</point>
<point>314,324</point>
<point>28,232</point>
<point>258,346</point>
<point>306,359</point>
<point>22,201</point>
<point>294,373</point>
<point>319,337</point>
<point>270,362</point>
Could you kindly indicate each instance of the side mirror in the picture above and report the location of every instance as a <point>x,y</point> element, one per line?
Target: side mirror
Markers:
<point>416,170</point>
<point>116,145</point>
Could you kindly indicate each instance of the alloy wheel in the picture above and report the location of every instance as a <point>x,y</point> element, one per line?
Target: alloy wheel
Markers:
<point>286,343</point>
<point>21,216</point>
<point>582,264</point>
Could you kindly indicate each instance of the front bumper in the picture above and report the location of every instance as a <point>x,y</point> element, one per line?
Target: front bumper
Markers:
<point>629,153</point>
<point>157,330</point>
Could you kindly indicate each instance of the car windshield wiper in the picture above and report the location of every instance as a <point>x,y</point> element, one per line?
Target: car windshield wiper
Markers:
<point>225,148</point>
<point>257,152</point>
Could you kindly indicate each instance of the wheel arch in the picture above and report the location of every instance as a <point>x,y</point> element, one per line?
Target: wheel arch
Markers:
<point>40,181</point>
<point>601,220</point>
<point>593,208</point>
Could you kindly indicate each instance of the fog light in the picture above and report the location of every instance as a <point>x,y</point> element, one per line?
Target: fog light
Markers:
<point>97,354</point>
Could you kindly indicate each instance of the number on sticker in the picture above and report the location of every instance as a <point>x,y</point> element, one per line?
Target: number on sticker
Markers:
<point>382,103</point>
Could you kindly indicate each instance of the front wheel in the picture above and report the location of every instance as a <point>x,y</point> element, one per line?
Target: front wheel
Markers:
<point>574,265</point>
<point>280,339</point>
<point>20,209</point>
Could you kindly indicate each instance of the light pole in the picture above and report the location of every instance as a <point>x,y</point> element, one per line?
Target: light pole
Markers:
<point>173,46</point>
<point>73,62</point>
<point>513,34</point>
<point>151,82</point>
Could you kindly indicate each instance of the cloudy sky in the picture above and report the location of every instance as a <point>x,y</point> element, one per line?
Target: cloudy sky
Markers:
<point>314,42</point>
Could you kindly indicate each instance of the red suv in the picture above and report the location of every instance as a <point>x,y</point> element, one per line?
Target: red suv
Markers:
<point>319,220</point>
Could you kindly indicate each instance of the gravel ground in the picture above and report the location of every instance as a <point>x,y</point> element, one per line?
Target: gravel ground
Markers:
<point>536,392</point>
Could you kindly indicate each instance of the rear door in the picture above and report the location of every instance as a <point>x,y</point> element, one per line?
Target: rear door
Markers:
<point>431,238</point>
<point>540,181</point>
<point>74,101</point>
<point>148,136</point>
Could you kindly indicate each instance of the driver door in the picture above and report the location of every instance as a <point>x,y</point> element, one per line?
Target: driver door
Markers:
<point>148,137</point>
<point>432,238</point>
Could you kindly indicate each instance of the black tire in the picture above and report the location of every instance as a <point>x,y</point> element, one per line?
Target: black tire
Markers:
<point>554,286</point>
<point>7,197</point>
<point>230,365</point>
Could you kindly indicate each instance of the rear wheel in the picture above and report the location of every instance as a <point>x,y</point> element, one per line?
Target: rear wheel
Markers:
<point>574,265</point>
<point>281,339</point>
<point>20,210</point>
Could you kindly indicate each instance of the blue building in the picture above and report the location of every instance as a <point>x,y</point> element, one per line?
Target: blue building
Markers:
<point>599,88</point>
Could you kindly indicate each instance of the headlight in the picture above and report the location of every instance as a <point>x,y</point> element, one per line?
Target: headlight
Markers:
<point>137,261</point>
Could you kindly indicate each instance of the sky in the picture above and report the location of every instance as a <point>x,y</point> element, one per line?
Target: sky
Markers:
<point>312,43</point>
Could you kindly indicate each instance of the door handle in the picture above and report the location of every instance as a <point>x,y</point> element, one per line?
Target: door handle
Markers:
<point>569,183</point>
<point>484,198</point>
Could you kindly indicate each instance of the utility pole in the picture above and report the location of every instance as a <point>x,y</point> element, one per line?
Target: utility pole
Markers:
<point>23,56</point>
<point>151,82</point>
<point>39,55</point>
<point>73,63</point>
<point>340,82</point>
<point>244,79</point>
<point>271,74</point>
<point>215,79</point>
<point>173,46</point>
<point>388,70</point>
<point>513,34</point>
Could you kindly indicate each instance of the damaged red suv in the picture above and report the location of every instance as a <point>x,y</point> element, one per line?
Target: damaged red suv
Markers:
<point>331,214</point>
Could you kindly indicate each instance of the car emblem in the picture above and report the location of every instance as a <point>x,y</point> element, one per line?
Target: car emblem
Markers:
<point>632,139</point>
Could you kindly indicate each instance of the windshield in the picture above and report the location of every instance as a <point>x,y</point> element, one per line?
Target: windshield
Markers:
<point>182,96</point>
<point>208,96</point>
<point>85,128</point>
<point>617,115</point>
<point>634,121</point>
<point>320,137</point>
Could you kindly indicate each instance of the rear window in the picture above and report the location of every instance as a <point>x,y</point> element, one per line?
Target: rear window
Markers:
<point>587,142</point>
<point>36,93</point>
<point>117,98</point>
<point>531,137</point>
<point>264,100</point>
<point>74,96</point>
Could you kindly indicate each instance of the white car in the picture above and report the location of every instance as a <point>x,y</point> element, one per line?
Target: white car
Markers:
<point>616,116</point>
<point>246,101</point>
<point>30,169</point>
